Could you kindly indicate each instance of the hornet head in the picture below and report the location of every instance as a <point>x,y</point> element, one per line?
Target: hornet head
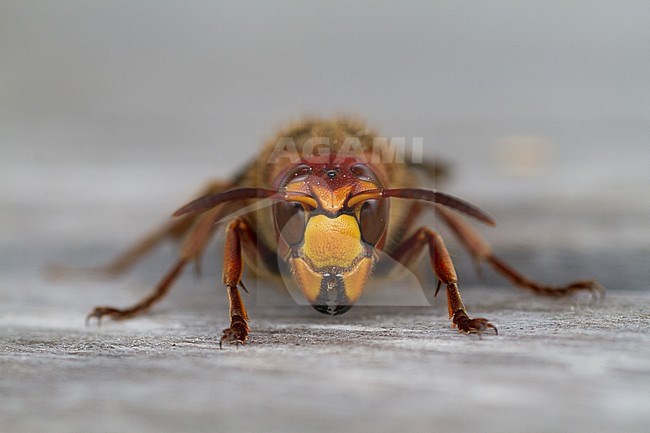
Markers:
<point>328,237</point>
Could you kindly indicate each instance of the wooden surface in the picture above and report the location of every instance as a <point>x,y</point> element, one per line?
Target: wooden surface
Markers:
<point>555,366</point>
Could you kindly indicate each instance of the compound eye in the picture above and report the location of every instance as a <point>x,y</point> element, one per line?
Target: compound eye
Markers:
<point>372,219</point>
<point>289,221</point>
<point>365,173</point>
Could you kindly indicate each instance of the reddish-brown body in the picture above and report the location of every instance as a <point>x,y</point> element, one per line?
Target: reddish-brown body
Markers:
<point>319,203</point>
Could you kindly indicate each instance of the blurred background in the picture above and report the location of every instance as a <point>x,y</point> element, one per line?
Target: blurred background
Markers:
<point>113,113</point>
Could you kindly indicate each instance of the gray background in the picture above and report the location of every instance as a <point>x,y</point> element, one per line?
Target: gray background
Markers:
<point>113,113</point>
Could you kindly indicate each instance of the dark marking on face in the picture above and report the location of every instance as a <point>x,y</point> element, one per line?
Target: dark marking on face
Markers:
<point>332,299</point>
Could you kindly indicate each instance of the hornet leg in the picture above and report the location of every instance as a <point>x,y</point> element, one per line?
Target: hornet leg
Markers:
<point>441,263</point>
<point>193,247</point>
<point>238,232</point>
<point>480,250</point>
<point>173,230</point>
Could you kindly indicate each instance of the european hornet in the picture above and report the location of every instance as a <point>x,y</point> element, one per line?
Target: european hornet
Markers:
<point>318,204</point>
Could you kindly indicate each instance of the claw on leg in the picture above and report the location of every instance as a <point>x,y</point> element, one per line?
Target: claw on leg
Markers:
<point>594,288</point>
<point>465,324</point>
<point>145,304</point>
<point>237,333</point>
<point>115,314</point>
<point>459,317</point>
